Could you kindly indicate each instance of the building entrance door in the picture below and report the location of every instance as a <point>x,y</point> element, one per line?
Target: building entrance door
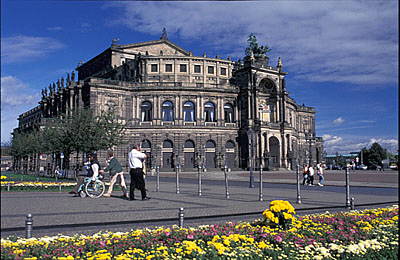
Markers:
<point>210,154</point>
<point>189,157</point>
<point>230,154</point>
<point>274,152</point>
<point>168,155</point>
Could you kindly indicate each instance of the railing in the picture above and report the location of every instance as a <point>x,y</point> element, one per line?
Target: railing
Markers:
<point>163,84</point>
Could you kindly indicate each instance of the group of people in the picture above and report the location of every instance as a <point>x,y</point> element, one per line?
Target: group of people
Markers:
<point>136,163</point>
<point>309,172</point>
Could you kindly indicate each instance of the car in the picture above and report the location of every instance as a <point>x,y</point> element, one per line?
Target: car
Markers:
<point>362,167</point>
<point>393,166</point>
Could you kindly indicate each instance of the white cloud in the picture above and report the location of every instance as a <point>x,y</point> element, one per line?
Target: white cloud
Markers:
<point>338,121</point>
<point>16,98</point>
<point>333,144</point>
<point>22,48</point>
<point>331,139</point>
<point>328,41</point>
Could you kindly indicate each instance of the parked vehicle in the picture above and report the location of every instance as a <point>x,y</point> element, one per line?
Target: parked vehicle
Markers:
<point>393,166</point>
<point>362,167</point>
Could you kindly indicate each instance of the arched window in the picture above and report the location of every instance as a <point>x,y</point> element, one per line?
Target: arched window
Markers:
<point>210,144</point>
<point>189,144</point>
<point>188,111</point>
<point>168,144</point>
<point>146,111</point>
<point>230,144</point>
<point>209,112</point>
<point>167,111</point>
<point>228,110</point>
<point>146,144</point>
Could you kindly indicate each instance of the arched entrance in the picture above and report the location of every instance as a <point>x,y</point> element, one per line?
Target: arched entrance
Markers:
<point>146,148</point>
<point>210,154</point>
<point>274,152</point>
<point>188,151</point>
<point>230,154</point>
<point>168,155</point>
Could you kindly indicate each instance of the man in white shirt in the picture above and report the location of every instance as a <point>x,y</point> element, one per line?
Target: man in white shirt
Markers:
<point>135,160</point>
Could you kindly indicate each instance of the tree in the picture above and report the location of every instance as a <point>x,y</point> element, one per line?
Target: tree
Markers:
<point>375,155</point>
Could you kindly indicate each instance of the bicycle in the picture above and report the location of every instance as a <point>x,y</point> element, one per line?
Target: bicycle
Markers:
<point>92,188</point>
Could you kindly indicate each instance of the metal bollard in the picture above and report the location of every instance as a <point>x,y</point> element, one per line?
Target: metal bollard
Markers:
<point>260,195</point>
<point>298,200</point>
<point>28,226</point>
<point>181,215</point>
<point>177,179</point>
<point>8,186</point>
<point>158,178</point>
<point>59,187</point>
<point>347,188</point>
<point>199,180</point>
<point>226,182</point>
<point>352,206</point>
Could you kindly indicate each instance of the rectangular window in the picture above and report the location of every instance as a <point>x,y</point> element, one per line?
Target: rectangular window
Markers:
<point>168,67</point>
<point>197,69</point>
<point>154,68</point>
<point>210,69</point>
<point>223,71</point>
<point>183,68</point>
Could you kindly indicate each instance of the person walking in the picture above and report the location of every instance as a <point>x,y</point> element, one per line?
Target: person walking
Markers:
<point>135,160</point>
<point>115,169</point>
<point>305,174</point>
<point>311,172</point>
<point>320,173</point>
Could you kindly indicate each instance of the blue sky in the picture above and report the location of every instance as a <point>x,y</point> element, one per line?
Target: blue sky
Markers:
<point>341,56</point>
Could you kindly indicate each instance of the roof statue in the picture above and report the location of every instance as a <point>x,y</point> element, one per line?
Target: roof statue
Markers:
<point>164,35</point>
<point>279,62</point>
<point>255,48</point>
<point>114,41</point>
<point>73,76</point>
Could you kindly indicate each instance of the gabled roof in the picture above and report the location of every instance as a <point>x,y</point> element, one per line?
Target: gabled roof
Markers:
<point>141,44</point>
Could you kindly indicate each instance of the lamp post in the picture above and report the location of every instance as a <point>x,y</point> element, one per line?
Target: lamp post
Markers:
<point>308,137</point>
<point>250,134</point>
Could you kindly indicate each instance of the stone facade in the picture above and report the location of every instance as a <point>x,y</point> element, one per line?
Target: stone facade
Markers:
<point>190,110</point>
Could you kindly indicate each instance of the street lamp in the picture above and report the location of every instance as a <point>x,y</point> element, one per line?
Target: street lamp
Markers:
<point>308,135</point>
<point>250,134</point>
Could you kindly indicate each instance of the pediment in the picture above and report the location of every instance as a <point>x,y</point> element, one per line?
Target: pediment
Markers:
<point>153,48</point>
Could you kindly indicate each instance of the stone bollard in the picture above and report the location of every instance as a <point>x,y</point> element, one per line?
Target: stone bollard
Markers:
<point>298,200</point>
<point>226,182</point>
<point>158,178</point>
<point>352,205</point>
<point>28,226</point>
<point>181,216</point>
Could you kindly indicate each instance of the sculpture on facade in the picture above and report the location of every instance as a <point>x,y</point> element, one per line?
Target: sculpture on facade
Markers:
<point>164,35</point>
<point>62,82</point>
<point>254,48</point>
<point>68,79</point>
<point>73,76</point>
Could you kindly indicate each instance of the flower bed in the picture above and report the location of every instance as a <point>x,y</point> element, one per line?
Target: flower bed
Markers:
<point>367,234</point>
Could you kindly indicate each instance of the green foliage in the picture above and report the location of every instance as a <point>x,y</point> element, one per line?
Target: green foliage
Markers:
<point>254,48</point>
<point>79,130</point>
<point>374,155</point>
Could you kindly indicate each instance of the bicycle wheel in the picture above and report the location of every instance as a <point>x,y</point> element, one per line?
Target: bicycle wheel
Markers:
<point>95,189</point>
